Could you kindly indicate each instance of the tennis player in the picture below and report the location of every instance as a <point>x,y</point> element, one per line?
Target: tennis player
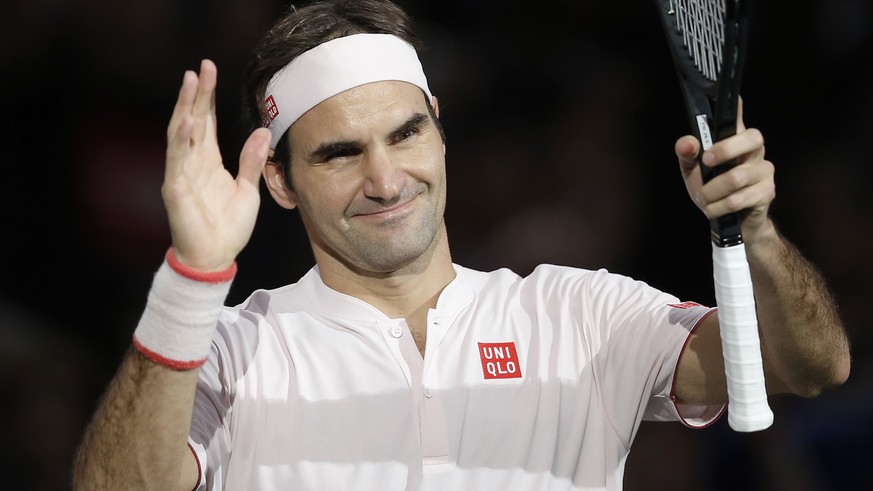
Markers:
<point>388,366</point>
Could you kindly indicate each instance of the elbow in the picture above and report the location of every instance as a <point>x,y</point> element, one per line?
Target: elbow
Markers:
<point>825,377</point>
<point>840,372</point>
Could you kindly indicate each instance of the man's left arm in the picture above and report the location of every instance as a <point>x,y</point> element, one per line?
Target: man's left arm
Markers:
<point>804,344</point>
<point>803,340</point>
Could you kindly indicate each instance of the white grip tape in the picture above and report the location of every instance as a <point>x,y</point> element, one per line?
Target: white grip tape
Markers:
<point>748,409</point>
<point>179,319</point>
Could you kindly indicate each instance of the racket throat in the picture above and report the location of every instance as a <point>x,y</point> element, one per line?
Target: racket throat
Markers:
<point>726,231</point>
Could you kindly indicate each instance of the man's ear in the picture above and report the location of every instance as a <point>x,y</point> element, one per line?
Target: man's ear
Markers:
<point>275,179</point>
<point>436,105</point>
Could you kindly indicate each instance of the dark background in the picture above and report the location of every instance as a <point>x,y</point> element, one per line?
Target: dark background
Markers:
<point>561,117</point>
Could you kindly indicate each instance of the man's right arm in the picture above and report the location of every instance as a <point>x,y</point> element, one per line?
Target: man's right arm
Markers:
<point>137,438</point>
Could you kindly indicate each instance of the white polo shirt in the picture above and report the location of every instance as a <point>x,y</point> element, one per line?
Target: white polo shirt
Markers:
<point>534,383</point>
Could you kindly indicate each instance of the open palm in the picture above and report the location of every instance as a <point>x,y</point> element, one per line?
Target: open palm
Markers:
<point>211,213</point>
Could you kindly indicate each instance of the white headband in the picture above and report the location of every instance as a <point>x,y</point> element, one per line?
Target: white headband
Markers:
<point>334,67</point>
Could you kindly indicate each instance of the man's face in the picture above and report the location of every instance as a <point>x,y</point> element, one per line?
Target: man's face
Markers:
<point>368,167</point>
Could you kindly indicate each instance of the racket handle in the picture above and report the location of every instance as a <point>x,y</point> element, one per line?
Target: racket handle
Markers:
<point>748,409</point>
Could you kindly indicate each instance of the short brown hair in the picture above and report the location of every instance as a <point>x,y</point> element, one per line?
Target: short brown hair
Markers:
<point>300,29</point>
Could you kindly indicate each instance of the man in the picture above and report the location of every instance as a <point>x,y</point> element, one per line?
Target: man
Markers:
<point>388,366</point>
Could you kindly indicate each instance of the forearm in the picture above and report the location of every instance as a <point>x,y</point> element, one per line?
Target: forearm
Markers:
<point>802,336</point>
<point>137,438</point>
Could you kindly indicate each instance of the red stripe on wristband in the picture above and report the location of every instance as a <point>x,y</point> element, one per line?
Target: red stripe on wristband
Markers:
<point>193,274</point>
<point>164,361</point>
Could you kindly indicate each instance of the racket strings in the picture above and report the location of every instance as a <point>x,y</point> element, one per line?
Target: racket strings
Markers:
<point>701,24</point>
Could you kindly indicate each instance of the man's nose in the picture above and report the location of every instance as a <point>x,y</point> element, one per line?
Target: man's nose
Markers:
<point>384,178</point>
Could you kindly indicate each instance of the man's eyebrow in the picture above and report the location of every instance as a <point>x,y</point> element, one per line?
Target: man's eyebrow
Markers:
<point>415,121</point>
<point>328,149</point>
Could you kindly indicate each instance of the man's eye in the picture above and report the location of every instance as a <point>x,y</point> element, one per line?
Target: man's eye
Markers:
<point>342,154</point>
<point>406,134</point>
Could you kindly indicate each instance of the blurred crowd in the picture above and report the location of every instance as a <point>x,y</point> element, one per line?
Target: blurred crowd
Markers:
<point>560,117</point>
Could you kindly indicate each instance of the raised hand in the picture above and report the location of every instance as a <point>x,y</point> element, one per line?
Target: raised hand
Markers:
<point>748,188</point>
<point>211,214</point>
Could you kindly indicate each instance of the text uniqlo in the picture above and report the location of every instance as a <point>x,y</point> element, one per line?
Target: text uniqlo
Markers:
<point>499,360</point>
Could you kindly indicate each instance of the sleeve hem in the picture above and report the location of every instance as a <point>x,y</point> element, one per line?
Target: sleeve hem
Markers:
<point>694,416</point>
<point>201,475</point>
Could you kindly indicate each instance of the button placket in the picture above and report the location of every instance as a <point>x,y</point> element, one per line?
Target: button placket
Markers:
<point>434,432</point>
<point>393,333</point>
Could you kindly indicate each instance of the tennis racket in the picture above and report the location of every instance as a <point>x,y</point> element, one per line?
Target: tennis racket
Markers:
<point>707,39</point>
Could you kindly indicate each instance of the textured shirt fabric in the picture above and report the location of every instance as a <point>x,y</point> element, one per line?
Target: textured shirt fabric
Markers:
<point>527,383</point>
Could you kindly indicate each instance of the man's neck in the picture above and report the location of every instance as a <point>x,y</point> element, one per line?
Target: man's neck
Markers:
<point>406,293</point>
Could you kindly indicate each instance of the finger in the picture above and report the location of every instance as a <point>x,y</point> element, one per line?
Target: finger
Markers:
<point>184,103</point>
<point>748,143</point>
<point>749,175</point>
<point>752,197</point>
<point>741,125</point>
<point>180,127</point>
<point>253,157</point>
<point>204,103</point>
<point>178,147</point>
<point>203,109</point>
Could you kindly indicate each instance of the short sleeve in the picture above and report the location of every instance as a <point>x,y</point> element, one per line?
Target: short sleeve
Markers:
<point>688,315</point>
<point>643,332</point>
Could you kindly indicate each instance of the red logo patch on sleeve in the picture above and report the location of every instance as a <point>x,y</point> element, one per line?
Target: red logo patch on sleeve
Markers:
<point>684,305</point>
<point>499,360</point>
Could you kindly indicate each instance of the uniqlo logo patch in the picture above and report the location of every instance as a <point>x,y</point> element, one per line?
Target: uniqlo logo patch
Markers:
<point>499,360</point>
<point>684,305</point>
<point>271,110</point>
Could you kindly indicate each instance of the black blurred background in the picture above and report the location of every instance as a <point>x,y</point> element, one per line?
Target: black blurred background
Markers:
<point>561,118</point>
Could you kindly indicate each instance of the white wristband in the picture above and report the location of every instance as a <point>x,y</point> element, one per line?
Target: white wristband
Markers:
<point>181,313</point>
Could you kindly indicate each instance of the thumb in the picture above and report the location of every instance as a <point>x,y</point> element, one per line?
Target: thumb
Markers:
<point>253,156</point>
<point>686,149</point>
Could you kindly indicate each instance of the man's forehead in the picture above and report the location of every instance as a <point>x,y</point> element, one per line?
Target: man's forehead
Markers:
<point>375,103</point>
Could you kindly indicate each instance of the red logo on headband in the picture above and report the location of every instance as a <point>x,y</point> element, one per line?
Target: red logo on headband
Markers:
<point>271,110</point>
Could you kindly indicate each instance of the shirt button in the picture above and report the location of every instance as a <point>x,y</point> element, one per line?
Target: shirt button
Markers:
<point>427,393</point>
<point>396,331</point>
